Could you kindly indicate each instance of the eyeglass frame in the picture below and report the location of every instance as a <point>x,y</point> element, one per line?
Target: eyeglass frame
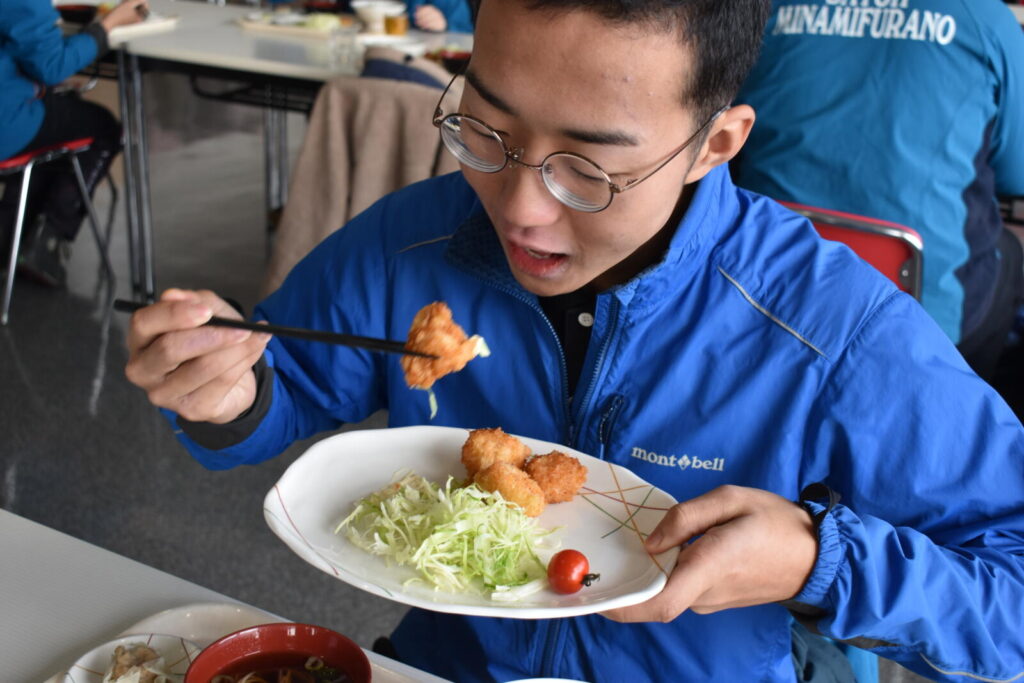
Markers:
<point>515,154</point>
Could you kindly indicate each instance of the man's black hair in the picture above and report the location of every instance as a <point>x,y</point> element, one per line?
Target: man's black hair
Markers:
<point>724,37</point>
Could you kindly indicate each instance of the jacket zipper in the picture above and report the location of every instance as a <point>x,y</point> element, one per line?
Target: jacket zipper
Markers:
<point>561,357</point>
<point>604,428</point>
<point>581,407</point>
<point>556,628</point>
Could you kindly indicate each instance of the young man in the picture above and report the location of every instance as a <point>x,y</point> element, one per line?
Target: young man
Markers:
<point>718,326</point>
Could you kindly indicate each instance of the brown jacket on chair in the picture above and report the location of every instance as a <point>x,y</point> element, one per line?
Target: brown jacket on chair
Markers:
<point>366,137</point>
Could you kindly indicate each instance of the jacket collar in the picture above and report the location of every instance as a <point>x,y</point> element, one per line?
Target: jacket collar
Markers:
<point>475,247</point>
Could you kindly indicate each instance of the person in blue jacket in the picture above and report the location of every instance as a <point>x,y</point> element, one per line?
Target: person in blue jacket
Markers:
<point>442,15</point>
<point>643,309</point>
<point>909,112</point>
<point>35,55</point>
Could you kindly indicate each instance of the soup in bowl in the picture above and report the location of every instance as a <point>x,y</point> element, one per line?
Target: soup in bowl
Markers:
<point>300,653</point>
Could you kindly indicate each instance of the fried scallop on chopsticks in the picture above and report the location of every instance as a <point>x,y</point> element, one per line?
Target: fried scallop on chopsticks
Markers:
<point>434,331</point>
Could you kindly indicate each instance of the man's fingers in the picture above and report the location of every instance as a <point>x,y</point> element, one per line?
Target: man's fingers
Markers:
<point>165,316</point>
<point>212,398</point>
<point>201,369</point>
<point>689,580</point>
<point>695,516</point>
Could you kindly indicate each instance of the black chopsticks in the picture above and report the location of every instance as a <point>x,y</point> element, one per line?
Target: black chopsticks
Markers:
<point>385,345</point>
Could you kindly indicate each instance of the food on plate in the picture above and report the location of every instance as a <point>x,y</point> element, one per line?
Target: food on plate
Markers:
<point>569,571</point>
<point>456,538</point>
<point>314,670</point>
<point>484,447</point>
<point>433,331</point>
<point>514,485</point>
<point>137,663</point>
<point>322,21</point>
<point>559,475</point>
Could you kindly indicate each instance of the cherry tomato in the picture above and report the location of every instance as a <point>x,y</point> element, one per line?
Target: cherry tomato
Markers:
<point>568,572</point>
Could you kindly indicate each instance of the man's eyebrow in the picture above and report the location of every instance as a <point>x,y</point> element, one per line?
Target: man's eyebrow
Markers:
<point>601,137</point>
<point>594,137</point>
<point>489,95</point>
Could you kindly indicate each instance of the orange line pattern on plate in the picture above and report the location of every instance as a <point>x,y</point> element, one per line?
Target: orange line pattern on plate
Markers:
<point>630,519</point>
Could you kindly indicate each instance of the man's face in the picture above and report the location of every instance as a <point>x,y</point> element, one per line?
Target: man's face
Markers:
<point>573,82</point>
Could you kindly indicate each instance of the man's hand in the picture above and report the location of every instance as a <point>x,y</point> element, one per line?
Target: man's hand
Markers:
<point>756,548</point>
<point>202,373</point>
<point>128,12</point>
<point>429,18</point>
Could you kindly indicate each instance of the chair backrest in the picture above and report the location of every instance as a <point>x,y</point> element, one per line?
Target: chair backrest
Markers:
<point>893,249</point>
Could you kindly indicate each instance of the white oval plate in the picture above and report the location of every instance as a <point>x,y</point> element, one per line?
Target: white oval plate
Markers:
<point>607,522</point>
<point>177,652</point>
<point>407,44</point>
<point>204,622</point>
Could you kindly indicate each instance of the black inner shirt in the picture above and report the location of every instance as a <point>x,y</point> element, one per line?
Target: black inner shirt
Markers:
<point>572,316</point>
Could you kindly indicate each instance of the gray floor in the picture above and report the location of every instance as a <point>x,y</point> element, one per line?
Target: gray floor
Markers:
<point>82,450</point>
<point>84,453</point>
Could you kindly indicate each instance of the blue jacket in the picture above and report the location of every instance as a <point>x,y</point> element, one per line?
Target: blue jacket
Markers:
<point>913,113</point>
<point>754,342</point>
<point>33,50</point>
<point>460,20</point>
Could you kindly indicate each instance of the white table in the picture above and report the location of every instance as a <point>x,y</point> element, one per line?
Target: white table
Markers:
<point>60,597</point>
<point>208,41</point>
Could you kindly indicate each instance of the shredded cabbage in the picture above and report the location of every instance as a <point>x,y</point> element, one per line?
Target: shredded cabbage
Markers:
<point>457,538</point>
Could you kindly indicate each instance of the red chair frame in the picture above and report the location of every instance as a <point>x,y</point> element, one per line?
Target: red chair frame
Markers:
<point>24,163</point>
<point>893,249</point>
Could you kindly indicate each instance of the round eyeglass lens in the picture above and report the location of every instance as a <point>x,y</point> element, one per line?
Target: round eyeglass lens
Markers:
<point>473,144</point>
<point>576,182</point>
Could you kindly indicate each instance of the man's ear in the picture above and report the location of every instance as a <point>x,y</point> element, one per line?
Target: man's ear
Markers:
<point>728,134</point>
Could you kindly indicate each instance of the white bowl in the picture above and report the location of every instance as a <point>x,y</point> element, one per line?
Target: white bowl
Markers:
<point>372,12</point>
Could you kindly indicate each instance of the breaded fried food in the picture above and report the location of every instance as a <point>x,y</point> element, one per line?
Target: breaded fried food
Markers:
<point>559,475</point>
<point>134,661</point>
<point>514,485</point>
<point>484,447</point>
<point>433,331</point>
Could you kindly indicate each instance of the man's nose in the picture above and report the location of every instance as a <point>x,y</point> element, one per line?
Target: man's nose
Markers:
<point>525,201</point>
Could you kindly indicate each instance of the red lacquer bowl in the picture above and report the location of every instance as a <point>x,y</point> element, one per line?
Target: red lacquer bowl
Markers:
<point>259,648</point>
<point>77,14</point>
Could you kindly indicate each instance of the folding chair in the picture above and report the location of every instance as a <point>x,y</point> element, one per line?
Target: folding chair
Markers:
<point>24,163</point>
<point>893,249</point>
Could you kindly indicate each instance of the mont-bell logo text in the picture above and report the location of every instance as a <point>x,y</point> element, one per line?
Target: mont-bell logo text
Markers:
<point>684,462</point>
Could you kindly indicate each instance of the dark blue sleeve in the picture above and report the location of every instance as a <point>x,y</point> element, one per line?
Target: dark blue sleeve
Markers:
<point>1005,43</point>
<point>460,19</point>
<point>38,46</point>
<point>456,12</point>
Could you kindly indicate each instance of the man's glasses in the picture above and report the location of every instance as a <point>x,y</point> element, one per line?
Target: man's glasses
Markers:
<point>571,178</point>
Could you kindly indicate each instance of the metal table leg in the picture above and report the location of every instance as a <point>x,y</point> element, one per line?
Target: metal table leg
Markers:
<point>130,180</point>
<point>271,164</point>
<point>142,171</point>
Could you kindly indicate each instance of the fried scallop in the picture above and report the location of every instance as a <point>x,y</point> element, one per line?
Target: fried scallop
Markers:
<point>433,331</point>
<point>514,485</point>
<point>484,447</point>
<point>559,475</point>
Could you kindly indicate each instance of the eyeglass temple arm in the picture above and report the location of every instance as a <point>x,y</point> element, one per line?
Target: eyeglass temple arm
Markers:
<point>618,189</point>
<point>438,112</point>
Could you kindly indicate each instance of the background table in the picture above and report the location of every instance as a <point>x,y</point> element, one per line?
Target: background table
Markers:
<point>60,597</point>
<point>280,73</point>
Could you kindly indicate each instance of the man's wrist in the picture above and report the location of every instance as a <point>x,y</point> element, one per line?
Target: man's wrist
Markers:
<point>220,436</point>
<point>99,32</point>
